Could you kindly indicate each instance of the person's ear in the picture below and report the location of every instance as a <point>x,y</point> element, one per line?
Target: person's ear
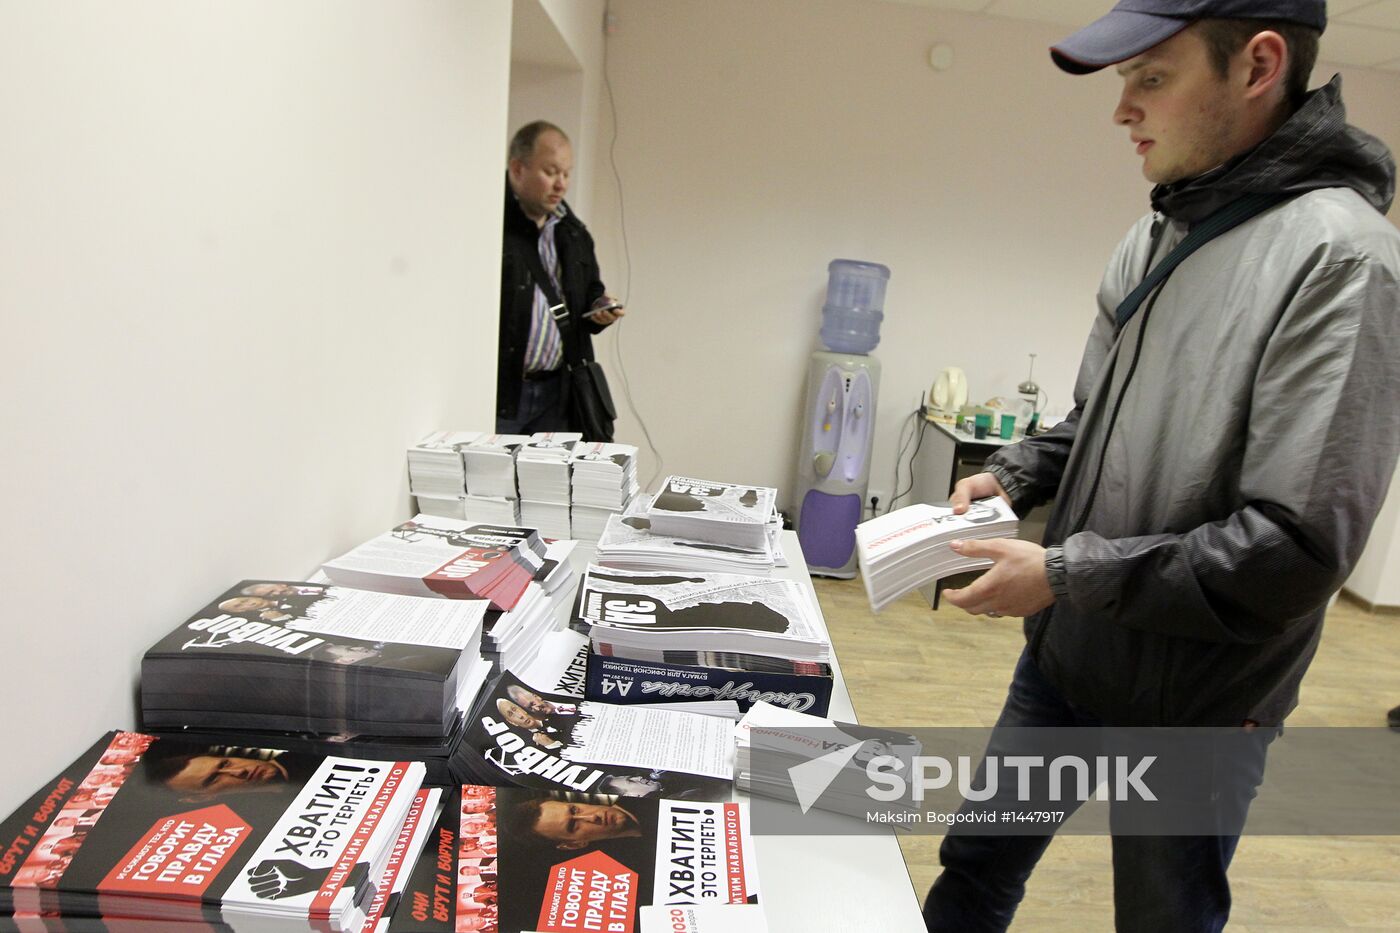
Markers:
<point>1266,56</point>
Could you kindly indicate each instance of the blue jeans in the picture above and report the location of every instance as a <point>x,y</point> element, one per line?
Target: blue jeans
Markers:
<point>1161,884</point>
<point>541,407</point>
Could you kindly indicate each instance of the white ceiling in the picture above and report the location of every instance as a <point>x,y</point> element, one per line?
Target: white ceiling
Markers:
<point>1364,33</point>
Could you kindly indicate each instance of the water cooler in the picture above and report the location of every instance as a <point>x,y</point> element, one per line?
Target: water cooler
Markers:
<point>843,382</point>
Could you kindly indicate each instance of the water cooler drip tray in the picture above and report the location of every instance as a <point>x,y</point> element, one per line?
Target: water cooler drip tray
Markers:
<point>827,529</point>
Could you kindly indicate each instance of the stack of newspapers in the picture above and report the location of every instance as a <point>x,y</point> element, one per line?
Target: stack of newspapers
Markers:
<point>542,470</point>
<point>431,556</point>
<point>663,615</point>
<point>630,543</point>
<point>305,657</point>
<point>150,833</point>
<point>717,513</point>
<point>603,482</point>
<point>813,761</point>
<point>907,548</point>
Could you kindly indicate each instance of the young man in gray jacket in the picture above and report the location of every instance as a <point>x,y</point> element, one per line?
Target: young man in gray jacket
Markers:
<point>1231,441</point>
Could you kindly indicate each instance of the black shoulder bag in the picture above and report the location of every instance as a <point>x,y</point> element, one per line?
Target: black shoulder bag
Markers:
<point>587,398</point>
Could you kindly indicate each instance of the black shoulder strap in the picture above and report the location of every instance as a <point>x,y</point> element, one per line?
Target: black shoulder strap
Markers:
<point>1226,218</point>
<point>557,308</point>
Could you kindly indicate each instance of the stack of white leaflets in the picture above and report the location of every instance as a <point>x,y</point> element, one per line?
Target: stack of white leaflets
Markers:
<point>490,463</point>
<point>514,636</point>
<point>435,466</point>
<point>629,543</point>
<point>644,615</point>
<point>908,548</point>
<point>476,510</point>
<point>491,510</point>
<point>542,471</point>
<point>720,513</point>
<point>438,556</point>
<point>604,480</point>
<point>792,756</point>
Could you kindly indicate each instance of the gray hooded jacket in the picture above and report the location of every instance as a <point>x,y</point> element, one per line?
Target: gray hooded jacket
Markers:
<point>1194,544</point>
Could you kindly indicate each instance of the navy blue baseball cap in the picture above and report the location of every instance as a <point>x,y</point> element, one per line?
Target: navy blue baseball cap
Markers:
<point>1134,26</point>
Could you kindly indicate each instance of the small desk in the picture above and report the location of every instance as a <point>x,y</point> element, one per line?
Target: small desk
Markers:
<point>949,445</point>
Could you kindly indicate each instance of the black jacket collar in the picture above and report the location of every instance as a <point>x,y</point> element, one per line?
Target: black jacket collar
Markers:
<point>1314,148</point>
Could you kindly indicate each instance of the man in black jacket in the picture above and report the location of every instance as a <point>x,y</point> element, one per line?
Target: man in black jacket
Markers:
<point>530,363</point>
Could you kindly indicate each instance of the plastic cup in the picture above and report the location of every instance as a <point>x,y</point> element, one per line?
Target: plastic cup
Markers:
<point>982,426</point>
<point>1008,425</point>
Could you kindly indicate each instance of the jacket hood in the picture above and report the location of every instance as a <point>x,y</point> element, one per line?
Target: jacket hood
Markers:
<point>1314,148</point>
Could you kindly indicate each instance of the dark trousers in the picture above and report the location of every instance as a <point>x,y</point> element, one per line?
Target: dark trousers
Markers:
<point>541,407</point>
<point>1161,884</point>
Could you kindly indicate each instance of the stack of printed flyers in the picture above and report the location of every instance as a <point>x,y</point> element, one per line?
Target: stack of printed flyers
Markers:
<point>542,471</point>
<point>490,463</point>
<point>513,860</point>
<point>905,549</point>
<point>278,655</point>
<point>492,496</point>
<point>816,762</point>
<point>149,833</point>
<point>517,571</point>
<point>436,471</point>
<point>532,728</point>
<point>719,513</point>
<point>629,542</point>
<point>603,481</point>
<point>514,637</point>
<point>432,556</point>
<point>671,615</point>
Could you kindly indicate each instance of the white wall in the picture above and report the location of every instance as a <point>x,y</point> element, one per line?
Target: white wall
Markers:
<point>758,141</point>
<point>580,23</point>
<point>543,86</point>
<point>248,253</point>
